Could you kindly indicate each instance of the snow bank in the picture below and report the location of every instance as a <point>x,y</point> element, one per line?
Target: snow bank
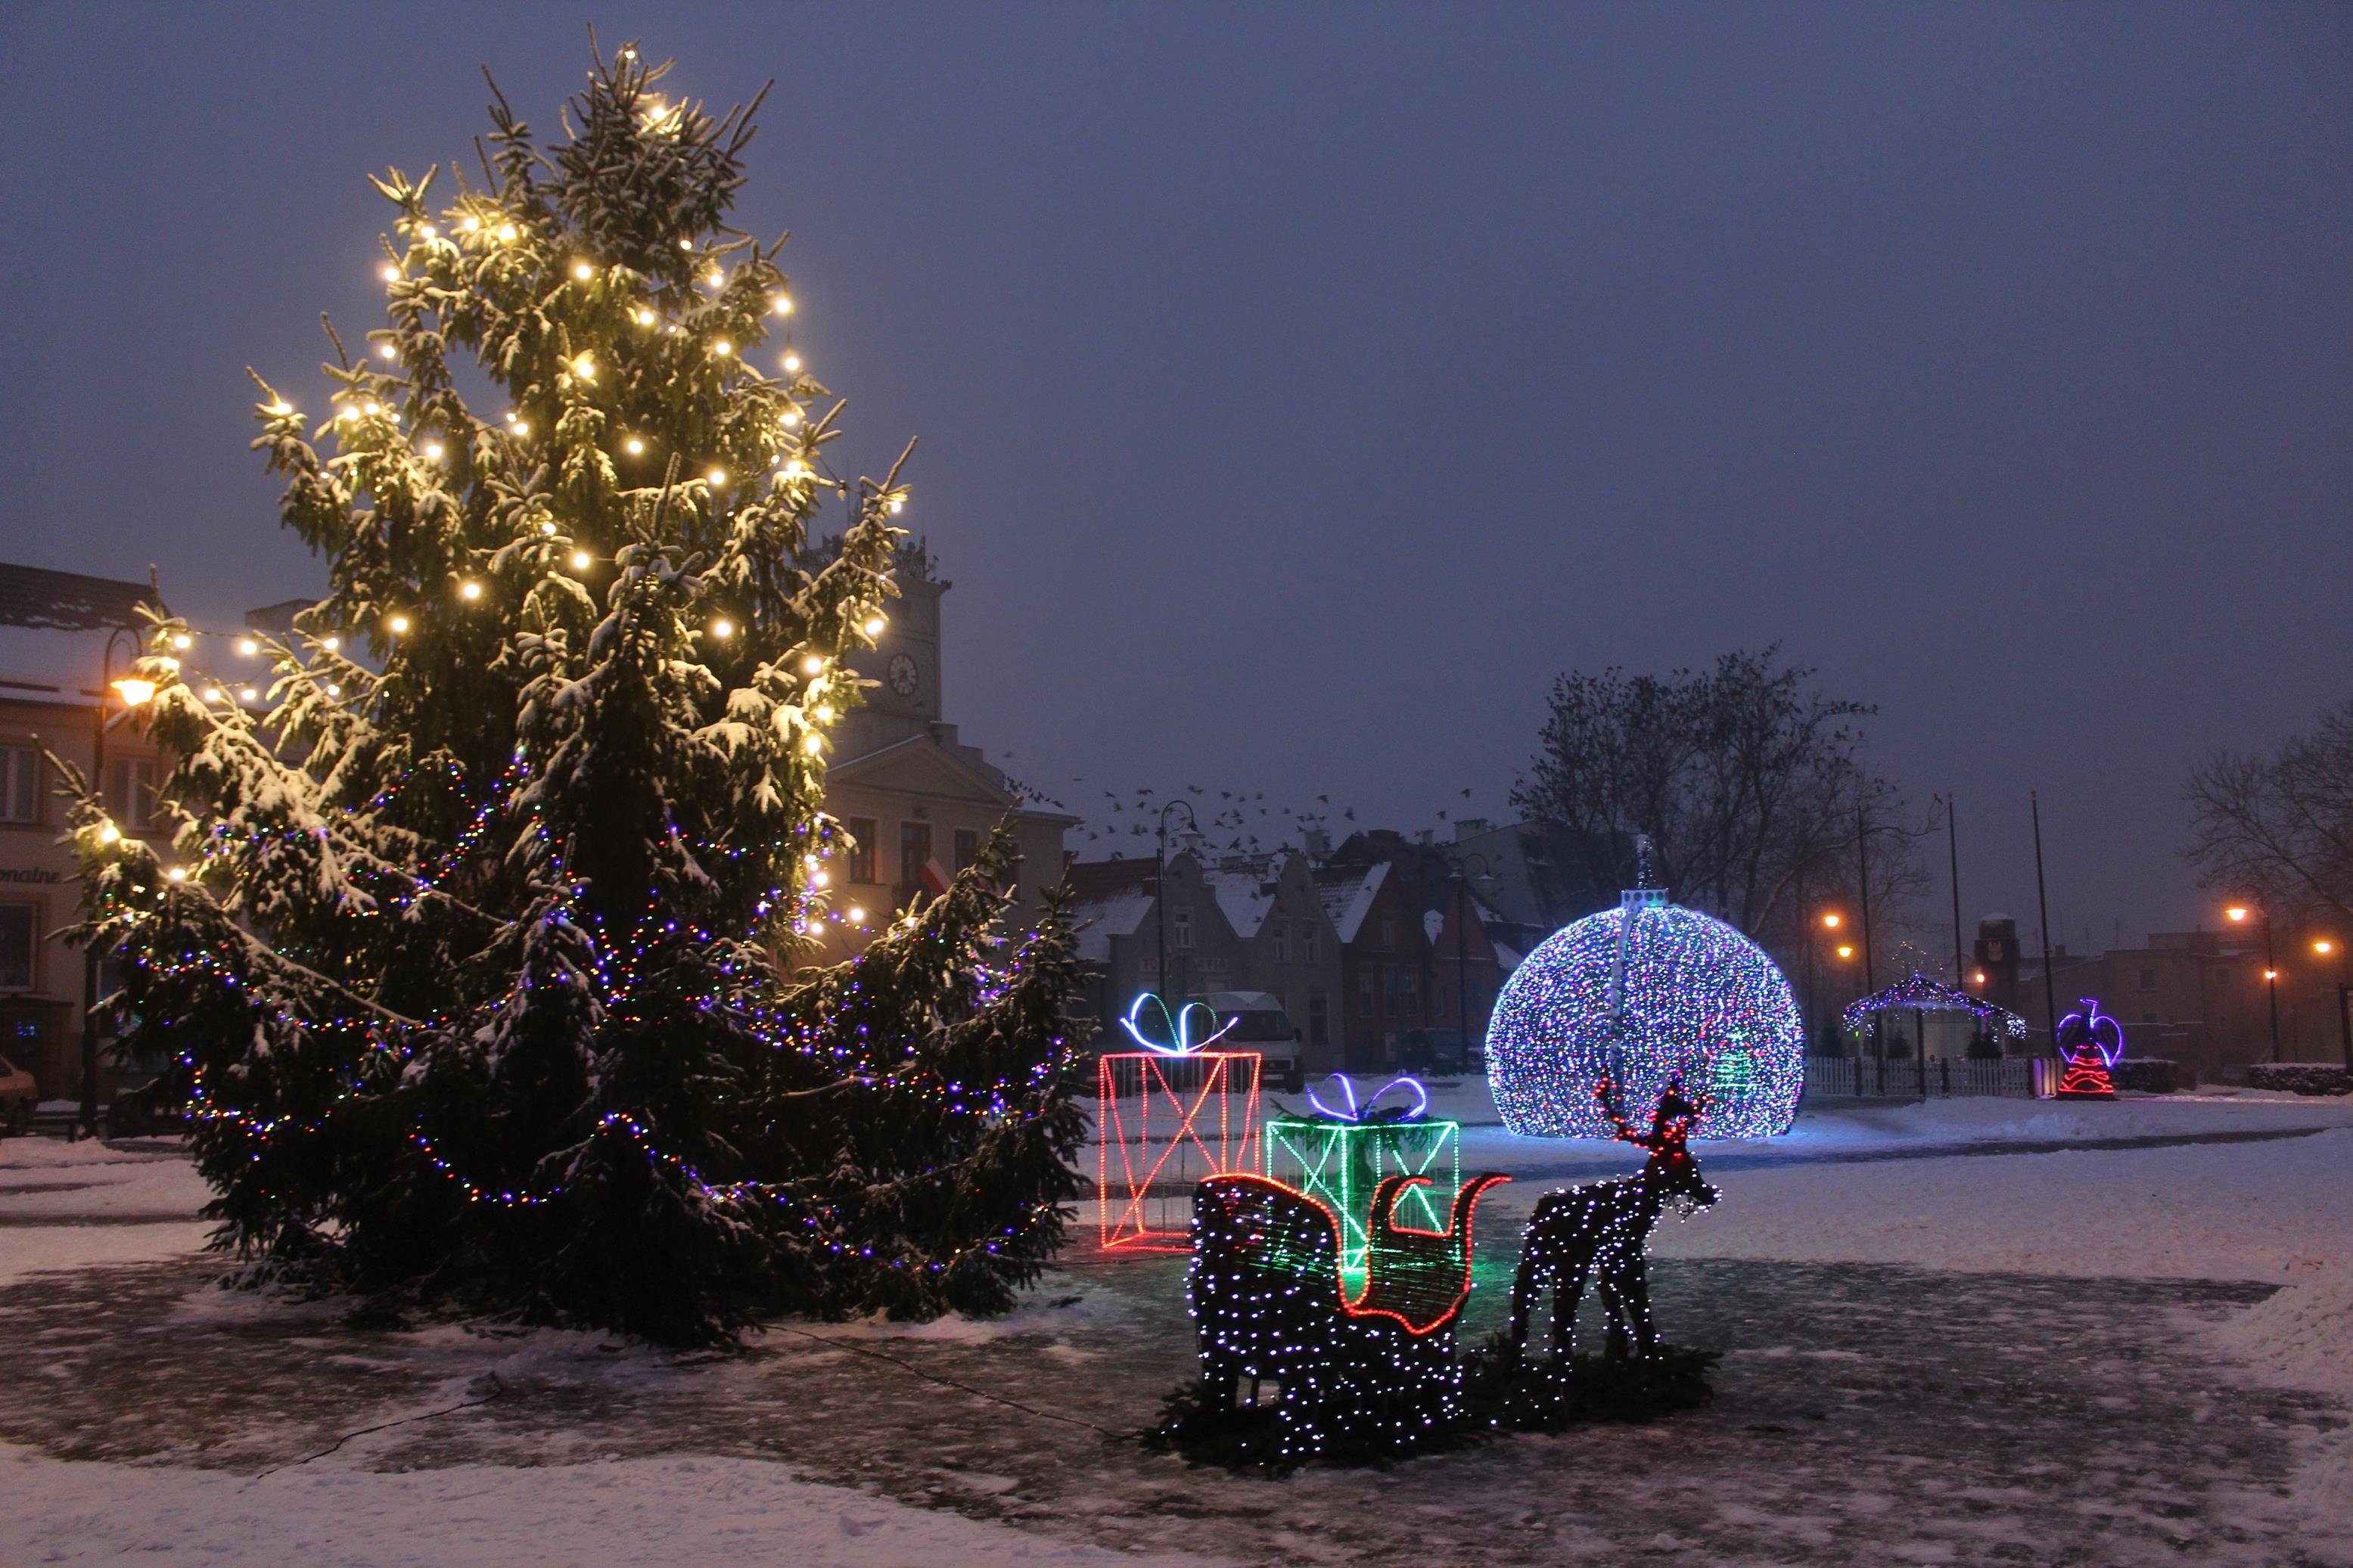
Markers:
<point>2303,1337</point>
<point>670,1510</point>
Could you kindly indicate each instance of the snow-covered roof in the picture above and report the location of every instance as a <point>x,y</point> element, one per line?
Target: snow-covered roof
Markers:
<point>1506,958</point>
<point>1347,896</point>
<point>1101,919</point>
<point>1243,898</point>
<point>1432,922</point>
<point>49,664</point>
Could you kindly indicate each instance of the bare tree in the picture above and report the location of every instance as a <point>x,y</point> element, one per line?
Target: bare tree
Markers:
<point>2281,827</point>
<point>1750,785</point>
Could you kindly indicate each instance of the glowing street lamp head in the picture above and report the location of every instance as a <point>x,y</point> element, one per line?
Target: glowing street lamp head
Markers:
<point>134,690</point>
<point>1978,978</point>
<point>2237,913</point>
<point>2324,947</point>
<point>1832,921</point>
<point>1845,952</point>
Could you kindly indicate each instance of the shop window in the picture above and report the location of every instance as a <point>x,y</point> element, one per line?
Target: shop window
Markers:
<point>19,937</point>
<point>863,830</point>
<point>20,785</point>
<point>967,846</point>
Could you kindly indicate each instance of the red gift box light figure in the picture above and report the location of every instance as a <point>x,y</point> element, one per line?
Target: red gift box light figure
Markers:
<point>1167,1117</point>
<point>2090,1042</point>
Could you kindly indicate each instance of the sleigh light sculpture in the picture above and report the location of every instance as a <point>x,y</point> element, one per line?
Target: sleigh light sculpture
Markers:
<point>1366,1367</point>
<point>1167,1116</point>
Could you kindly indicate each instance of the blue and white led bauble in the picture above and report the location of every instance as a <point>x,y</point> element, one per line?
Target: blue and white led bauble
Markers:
<point>1640,993</point>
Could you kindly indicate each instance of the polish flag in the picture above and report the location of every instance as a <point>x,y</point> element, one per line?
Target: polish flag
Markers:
<point>935,877</point>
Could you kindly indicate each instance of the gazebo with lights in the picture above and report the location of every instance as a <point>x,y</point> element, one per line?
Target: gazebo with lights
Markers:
<point>1919,996</point>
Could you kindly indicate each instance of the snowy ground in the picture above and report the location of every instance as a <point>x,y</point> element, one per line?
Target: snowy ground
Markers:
<point>1971,1331</point>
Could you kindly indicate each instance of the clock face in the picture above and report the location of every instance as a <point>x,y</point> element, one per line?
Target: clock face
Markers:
<point>902,675</point>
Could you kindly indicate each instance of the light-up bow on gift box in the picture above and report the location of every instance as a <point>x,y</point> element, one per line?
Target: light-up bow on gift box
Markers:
<point>1371,1109</point>
<point>1178,1025</point>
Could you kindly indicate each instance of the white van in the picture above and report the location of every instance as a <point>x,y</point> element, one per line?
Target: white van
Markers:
<point>1260,1024</point>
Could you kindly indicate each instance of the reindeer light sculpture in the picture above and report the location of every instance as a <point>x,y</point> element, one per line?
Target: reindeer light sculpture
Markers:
<point>1601,1232</point>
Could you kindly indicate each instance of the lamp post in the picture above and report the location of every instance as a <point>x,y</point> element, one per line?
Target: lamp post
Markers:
<point>1862,884</point>
<point>133,693</point>
<point>1160,887</point>
<point>2237,914</point>
<point>1830,922</point>
<point>2327,947</point>
<point>1461,958</point>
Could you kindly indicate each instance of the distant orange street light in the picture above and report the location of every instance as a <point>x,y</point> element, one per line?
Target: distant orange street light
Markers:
<point>1831,921</point>
<point>1846,953</point>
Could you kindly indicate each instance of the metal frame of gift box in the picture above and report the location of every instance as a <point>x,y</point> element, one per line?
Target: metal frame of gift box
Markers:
<point>1165,1123</point>
<point>1317,1158</point>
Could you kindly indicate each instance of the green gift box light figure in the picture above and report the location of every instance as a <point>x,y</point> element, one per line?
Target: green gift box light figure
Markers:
<point>1339,1156</point>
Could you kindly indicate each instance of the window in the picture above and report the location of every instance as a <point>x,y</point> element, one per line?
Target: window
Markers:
<point>863,831</point>
<point>1319,1020</point>
<point>1180,928</point>
<point>1389,933</point>
<point>1281,942</point>
<point>2222,977</point>
<point>130,792</point>
<point>1310,945</point>
<point>20,783</point>
<point>1365,988</point>
<point>2148,979</point>
<point>19,935</point>
<point>967,846</point>
<point>914,849</point>
<point>1412,993</point>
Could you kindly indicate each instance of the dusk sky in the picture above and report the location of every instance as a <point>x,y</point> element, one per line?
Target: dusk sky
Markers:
<point>1301,389</point>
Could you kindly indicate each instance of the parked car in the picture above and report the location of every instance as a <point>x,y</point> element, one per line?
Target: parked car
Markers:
<point>18,1093</point>
<point>155,1108</point>
<point>1260,1024</point>
<point>1435,1051</point>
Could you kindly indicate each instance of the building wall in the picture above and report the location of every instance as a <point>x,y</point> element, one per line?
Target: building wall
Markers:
<point>43,1001</point>
<point>1467,974</point>
<point>1295,955</point>
<point>1384,976</point>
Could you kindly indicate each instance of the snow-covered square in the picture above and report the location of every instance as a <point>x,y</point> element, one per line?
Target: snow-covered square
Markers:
<point>1976,1331</point>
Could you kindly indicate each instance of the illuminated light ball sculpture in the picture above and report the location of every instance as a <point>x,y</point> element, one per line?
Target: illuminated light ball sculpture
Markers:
<point>1640,994</point>
<point>1167,1116</point>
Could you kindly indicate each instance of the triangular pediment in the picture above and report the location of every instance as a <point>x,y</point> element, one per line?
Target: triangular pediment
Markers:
<point>919,765</point>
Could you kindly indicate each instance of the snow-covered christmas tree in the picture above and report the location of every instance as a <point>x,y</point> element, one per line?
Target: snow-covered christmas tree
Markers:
<point>478,942</point>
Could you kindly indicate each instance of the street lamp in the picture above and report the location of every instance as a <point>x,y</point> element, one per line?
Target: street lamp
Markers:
<point>2327,947</point>
<point>1160,887</point>
<point>1462,959</point>
<point>2237,914</point>
<point>135,692</point>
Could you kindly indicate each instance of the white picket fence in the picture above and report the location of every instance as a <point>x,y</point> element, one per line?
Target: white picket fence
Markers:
<point>1879,1078</point>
